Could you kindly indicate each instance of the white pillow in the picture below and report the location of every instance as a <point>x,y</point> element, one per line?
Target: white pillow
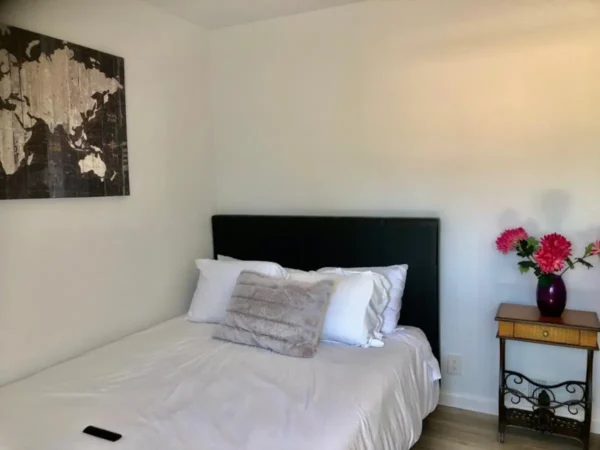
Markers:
<point>384,308</point>
<point>396,275</point>
<point>216,283</point>
<point>379,300</point>
<point>229,258</point>
<point>347,319</point>
<point>226,258</point>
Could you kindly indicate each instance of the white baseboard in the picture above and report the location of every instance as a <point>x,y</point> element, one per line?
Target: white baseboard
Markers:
<point>490,406</point>
<point>470,403</point>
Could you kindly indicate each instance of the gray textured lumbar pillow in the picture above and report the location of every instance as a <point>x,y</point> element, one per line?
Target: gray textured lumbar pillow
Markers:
<point>280,315</point>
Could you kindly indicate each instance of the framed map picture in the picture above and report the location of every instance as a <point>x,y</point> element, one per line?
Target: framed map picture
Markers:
<point>63,128</point>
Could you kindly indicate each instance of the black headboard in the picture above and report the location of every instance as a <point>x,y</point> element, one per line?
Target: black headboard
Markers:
<point>309,243</point>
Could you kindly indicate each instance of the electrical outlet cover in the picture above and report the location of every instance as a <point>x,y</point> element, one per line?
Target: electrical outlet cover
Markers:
<point>454,366</point>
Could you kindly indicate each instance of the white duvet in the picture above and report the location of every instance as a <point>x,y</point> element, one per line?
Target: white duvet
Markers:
<point>174,387</point>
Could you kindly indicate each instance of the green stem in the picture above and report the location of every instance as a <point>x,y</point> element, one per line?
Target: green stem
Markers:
<point>587,255</point>
<point>530,258</point>
<point>533,260</point>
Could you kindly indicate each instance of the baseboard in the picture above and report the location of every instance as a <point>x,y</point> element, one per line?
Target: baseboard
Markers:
<point>490,406</point>
<point>470,403</point>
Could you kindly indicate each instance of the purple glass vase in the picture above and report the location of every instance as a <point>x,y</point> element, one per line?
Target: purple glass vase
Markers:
<point>551,295</point>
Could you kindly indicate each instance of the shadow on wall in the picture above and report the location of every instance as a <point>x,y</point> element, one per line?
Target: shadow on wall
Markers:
<point>555,207</point>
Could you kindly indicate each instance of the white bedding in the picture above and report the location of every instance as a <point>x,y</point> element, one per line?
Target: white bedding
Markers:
<point>173,387</point>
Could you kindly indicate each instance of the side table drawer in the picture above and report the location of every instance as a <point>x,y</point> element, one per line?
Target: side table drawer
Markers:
<point>547,333</point>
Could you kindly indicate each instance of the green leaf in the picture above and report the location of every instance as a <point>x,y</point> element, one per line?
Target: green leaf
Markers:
<point>526,248</point>
<point>589,248</point>
<point>533,242</point>
<point>527,263</point>
<point>584,263</point>
<point>570,263</point>
<point>524,266</point>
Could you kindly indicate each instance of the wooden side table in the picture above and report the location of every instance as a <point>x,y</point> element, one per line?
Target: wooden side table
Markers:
<point>576,329</point>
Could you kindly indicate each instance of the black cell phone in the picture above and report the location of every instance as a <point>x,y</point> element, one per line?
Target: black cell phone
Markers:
<point>102,434</point>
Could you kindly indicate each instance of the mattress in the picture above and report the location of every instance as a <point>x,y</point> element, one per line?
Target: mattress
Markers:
<point>174,387</point>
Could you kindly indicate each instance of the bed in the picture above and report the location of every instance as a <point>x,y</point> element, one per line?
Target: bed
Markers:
<point>174,387</point>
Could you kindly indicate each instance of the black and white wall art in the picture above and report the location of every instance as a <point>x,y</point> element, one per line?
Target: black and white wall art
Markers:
<point>63,130</point>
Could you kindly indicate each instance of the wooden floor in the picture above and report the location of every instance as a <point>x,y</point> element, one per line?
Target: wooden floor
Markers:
<point>455,429</point>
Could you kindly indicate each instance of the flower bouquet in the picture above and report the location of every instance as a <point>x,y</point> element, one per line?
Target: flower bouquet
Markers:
<point>549,258</point>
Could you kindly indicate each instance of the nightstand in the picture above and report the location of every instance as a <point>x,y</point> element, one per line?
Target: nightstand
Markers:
<point>575,329</point>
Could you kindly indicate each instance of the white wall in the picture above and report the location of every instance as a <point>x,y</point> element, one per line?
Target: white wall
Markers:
<point>77,273</point>
<point>484,113</point>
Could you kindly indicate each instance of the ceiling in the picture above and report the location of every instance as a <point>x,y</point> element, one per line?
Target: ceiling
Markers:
<point>224,13</point>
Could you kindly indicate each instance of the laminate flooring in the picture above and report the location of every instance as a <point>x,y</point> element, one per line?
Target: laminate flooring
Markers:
<point>455,429</point>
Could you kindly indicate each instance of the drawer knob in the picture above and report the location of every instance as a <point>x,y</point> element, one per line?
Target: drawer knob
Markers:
<point>545,333</point>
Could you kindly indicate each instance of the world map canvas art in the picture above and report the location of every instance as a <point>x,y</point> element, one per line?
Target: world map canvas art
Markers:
<point>63,130</point>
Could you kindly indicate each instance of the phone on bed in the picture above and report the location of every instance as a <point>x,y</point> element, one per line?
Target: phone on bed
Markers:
<point>102,434</point>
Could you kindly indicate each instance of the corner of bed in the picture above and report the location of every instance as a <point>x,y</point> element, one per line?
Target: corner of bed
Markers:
<point>175,386</point>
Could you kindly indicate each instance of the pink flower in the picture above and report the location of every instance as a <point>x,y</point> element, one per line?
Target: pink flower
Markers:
<point>548,262</point>
<point>509,240</point>
<point>554,250</point>
<point>595,248</point>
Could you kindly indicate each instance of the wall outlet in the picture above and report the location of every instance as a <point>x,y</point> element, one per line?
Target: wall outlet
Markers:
<point>454,365</point>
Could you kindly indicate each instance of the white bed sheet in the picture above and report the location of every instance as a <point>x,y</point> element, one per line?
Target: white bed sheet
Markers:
<point>173,387</point>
